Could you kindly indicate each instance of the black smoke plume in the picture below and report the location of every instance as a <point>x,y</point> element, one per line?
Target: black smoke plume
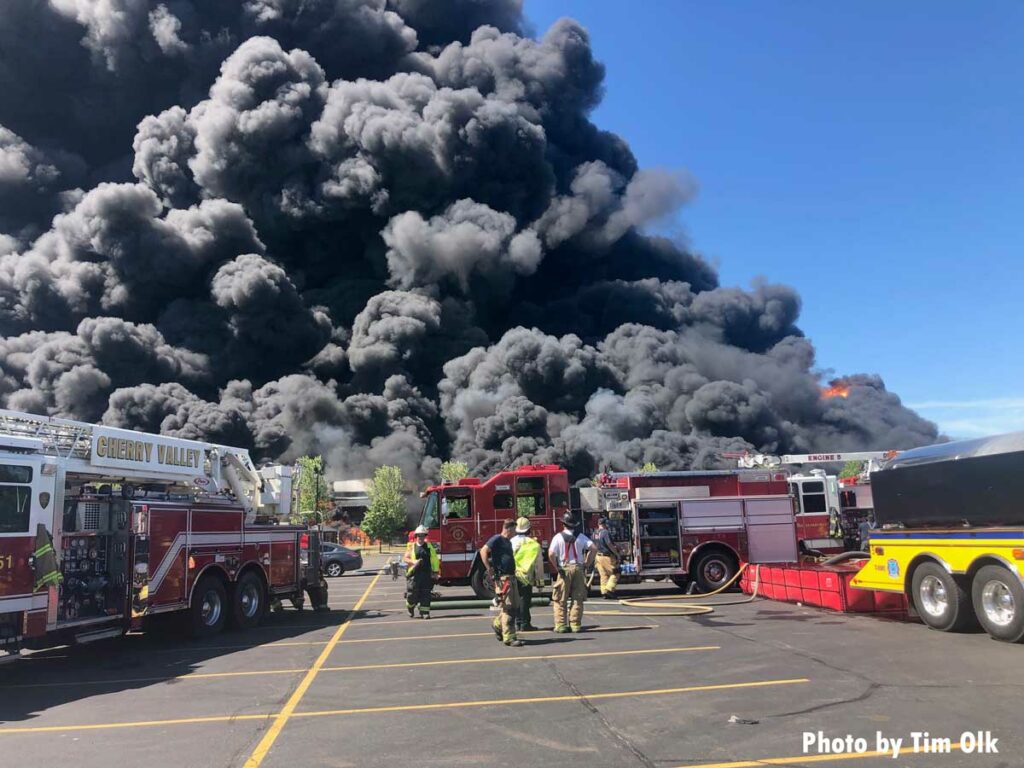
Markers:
<point>382,230</point>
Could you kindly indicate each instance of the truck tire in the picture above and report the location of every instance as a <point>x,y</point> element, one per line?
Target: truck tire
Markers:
<point>483,585</point>
<point>208,612</point>
<point>713,570</point>
<point>248,601</point>
<point>998,599</point>
<point>940,599</point>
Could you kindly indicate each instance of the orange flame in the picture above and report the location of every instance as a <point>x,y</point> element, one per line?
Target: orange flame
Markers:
<point>838,389</point>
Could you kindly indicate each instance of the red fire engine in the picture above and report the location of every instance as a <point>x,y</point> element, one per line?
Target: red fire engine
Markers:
<point>830,510</point>
<point>462,516</point>
<point>697,525</point>
<point>141,524</point>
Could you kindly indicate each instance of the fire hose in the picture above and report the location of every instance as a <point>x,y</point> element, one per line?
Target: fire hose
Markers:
<point>680,606</point>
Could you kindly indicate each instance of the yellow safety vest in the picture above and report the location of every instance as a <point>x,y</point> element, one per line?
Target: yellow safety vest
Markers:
<point>526,556</point>
<point>435,559</point>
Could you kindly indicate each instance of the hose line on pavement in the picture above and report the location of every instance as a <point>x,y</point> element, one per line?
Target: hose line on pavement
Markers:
<point>681,606</point>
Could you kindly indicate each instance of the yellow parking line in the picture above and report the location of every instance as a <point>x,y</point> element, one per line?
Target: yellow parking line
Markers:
<point>472,634</point>
<point>256,758</point>
<point>407,707</point>
<point>357,667</point>
<point>500,659</point>
<point>804,759</point>
<point>547,699</point>
<point>137,724</point>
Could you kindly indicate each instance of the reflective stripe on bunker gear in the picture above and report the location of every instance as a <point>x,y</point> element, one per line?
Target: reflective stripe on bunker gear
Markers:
<point>525,558</point>
<point>45,567</point>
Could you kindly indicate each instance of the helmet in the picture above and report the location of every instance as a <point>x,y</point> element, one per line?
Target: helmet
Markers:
<point>603,521</point>
<point>523,525</point>
<point>421,530</point>
<point>569,520</point>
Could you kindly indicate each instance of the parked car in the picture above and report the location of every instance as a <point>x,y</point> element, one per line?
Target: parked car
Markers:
<point>336,559</point>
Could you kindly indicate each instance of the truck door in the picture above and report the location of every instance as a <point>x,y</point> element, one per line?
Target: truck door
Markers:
<point>457,529</point>
<point>532,501</point>
<point>26,499</point>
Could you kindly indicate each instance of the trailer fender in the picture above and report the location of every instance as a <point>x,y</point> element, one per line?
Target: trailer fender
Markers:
<point>989,559</point>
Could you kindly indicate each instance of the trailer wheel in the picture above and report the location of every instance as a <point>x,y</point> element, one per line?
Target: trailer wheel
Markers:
<point>209,610</point>
<point>999,603</point>
<point>713,570</point>
<point>249,601</point>
<point>941,601</point>
<point>482,583</point>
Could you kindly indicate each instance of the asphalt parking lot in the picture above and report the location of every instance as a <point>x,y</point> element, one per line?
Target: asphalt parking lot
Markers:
<point>366,686</point>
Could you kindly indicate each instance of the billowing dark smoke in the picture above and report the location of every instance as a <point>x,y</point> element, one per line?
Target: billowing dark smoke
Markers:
<point>384,230</point>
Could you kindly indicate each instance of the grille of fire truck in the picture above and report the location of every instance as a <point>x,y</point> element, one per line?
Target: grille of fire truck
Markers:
<point>61,438</point>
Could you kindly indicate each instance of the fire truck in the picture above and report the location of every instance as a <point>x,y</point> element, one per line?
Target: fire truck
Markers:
<point>831,511</point>
<point>140,525</point>
<point>695,526</point>
<point>462,516</point>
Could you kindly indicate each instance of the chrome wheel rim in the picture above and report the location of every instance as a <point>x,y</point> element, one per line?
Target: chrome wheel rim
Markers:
<point>715,571</point>
<point>998,603</point>
<point>934,599</point>
<point>212,607</point>
<point>250,599</point>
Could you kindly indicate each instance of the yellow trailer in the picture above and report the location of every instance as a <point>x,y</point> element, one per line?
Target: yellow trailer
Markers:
<point>950,536</point>
<point>952,577</point>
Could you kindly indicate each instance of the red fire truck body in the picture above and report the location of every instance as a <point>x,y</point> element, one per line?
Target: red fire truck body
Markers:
<point>695,525</point>
<point>462,516</point>
<point>140,525</point>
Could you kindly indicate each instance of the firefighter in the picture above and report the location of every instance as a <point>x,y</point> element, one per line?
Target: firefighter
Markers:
<point>423,565</point>
<point>499,560</point>
<point>45,560</point>
<point>607,560</point>
<point>570,555</point>
<point>529,571</point>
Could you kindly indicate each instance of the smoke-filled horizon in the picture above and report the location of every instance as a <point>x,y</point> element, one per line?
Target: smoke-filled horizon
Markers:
<point>386,231</point>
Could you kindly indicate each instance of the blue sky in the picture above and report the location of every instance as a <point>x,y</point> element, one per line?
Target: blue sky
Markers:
<point>870,154</point>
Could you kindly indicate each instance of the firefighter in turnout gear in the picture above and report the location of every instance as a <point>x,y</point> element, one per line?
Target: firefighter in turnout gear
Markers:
<point>529,571</point>
<point>45,560</point>
<point>607,562</point>
<point>499,560</point>
<point>423,566</point>
<point>570,555</point>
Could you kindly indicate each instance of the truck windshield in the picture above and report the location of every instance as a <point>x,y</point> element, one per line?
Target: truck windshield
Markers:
<point>429,516</point>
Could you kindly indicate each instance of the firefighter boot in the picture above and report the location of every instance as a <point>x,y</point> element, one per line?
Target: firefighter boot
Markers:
<point>411,609</point>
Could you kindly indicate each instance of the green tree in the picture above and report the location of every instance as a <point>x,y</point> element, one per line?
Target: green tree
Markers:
<point>648,468</point>
<point>851,469</point>
<point>314,495</point>
<point>453,471</point>
<point>386,513</point>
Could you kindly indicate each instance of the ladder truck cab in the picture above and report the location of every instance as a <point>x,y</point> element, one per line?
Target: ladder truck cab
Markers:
<point>695,526</point>
<point>462,516</point>
<point>139,525</point>
<point>832,512</point>
<point>950,534</point>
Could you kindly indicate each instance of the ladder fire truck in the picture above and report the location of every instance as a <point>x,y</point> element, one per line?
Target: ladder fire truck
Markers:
<point>140,525</point>
<point>695,526</point>
<point>462,516</point>
<point>830,510</point>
